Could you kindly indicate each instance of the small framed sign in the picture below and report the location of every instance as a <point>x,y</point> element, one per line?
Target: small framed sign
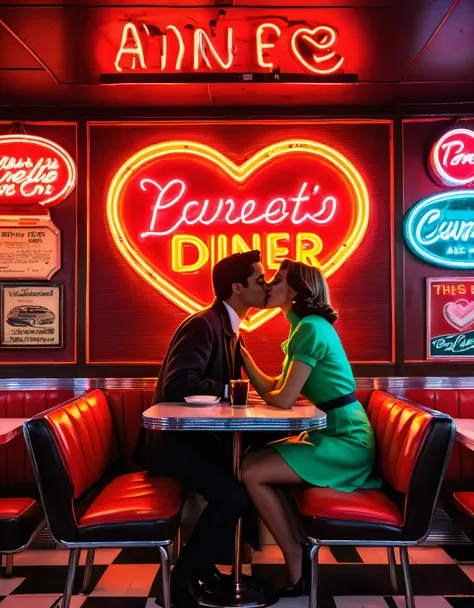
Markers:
<point>31,315</point>
<point>450,319</point>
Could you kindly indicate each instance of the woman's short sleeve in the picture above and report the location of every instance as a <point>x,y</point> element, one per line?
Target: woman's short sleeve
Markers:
<point>307,344</point>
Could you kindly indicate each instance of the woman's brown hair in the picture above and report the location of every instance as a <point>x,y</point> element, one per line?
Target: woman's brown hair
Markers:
<point>312,293</point>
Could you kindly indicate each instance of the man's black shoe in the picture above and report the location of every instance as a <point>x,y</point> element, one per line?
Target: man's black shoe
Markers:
<point>184,593</point>
<point>214,579</point>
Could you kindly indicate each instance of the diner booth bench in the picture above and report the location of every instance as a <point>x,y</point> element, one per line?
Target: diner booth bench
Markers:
<point>89,502</point>
<point>414,445</point>
<point>21,514</point>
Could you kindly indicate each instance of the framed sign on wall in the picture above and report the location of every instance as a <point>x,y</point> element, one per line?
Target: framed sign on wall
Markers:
<point>32,315</point>
<point>450,318</point>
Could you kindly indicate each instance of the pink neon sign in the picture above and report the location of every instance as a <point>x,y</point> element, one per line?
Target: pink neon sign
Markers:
<point>452,158</point>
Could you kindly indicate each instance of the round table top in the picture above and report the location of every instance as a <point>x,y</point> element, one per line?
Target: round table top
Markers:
<point>172,416</point>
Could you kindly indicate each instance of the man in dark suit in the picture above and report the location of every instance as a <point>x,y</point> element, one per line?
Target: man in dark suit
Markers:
<point>202,358</point>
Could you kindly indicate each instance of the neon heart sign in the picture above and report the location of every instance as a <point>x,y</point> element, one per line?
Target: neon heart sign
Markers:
<point>174,209</point>
<point>452,158</point>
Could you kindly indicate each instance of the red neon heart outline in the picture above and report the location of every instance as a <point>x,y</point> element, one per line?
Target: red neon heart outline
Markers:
<point>238,173</point>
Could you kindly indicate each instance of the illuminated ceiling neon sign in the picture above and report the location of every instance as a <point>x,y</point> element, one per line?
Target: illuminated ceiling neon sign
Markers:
<point>33,171</point>
<point>173,48</point>
<point>452,158</point>
<point>176,208</point>
<point>440,229</point>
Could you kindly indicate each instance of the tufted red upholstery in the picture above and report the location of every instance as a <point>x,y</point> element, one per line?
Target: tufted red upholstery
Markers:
<point>458,404</point>
<point>85,435</point>
<point>15,467</point>
<point>400,433</point>
<point>127,407</point>
<point>86,499</point>
<point>362,505</point>
<point>413,449</point>
<point>413,445</point>
<point>134,495</point>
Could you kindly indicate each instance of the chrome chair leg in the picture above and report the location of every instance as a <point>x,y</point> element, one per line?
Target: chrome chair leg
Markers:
<point>71,575</point>
<point>9,564</point>
<point>410,603</point>
<point>86,581</point>
<point>165,577</point>
<point>313,590</point>
<point>178,543</point>
<point>393,568</point>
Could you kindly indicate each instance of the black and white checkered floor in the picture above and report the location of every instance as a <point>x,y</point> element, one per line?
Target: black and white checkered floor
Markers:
<point>442,577</point>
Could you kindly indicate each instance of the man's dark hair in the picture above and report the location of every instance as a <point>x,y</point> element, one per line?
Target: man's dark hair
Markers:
<point>235,268</point>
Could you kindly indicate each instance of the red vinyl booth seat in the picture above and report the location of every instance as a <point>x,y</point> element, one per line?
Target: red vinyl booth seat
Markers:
<point>21,514</point>
<point>76,451</point>
<point>19,519</point>
<point>413,447</point>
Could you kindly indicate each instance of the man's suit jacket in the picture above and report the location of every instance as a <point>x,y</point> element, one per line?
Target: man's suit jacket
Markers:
<point>200,357</point>
<point>198,362</point>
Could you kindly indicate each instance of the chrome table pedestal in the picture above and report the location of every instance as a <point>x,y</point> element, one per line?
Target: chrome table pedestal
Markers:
<point>239,591</point>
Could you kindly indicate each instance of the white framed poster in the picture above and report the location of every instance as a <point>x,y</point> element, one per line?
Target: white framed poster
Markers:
<point>31,315</point>
<point>29,252</point>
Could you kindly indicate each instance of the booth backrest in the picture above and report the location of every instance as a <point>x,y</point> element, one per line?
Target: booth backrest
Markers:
<point>15,468</point>
<point>458,403</point>
<point>86,438</point>
<point>414,444</point>
<point>400,433</point>
<point>127,407</point>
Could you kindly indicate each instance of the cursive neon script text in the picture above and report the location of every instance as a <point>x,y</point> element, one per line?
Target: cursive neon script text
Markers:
<point>207,212</point>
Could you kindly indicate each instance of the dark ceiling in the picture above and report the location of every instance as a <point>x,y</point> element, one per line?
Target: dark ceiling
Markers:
<point>403,52</point>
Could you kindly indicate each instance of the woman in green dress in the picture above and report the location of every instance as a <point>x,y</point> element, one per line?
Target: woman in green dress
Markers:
<point>340,457</point>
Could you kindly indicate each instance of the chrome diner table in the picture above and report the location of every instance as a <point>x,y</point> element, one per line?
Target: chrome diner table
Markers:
<point>258,416</point>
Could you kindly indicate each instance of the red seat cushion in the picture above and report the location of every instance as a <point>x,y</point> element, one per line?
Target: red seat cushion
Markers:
<point>133,498</point>
<point>464,501</point>
<point>362,505</point>
<point>19,518</point>
<point>15,507</point>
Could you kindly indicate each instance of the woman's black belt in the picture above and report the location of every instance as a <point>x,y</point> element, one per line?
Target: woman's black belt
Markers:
<point>334,404</point>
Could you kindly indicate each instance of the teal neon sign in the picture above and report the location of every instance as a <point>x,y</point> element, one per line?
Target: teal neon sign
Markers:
<point>440,229</point>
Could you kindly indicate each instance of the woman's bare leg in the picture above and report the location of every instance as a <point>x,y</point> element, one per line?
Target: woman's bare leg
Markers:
<point>259,473</point>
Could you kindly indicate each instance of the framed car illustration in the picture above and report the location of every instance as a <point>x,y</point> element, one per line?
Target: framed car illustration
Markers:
<point>31,315</point>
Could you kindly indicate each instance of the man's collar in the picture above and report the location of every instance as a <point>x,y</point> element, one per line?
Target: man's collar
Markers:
<point>235,320</point>
<point>221,310</point>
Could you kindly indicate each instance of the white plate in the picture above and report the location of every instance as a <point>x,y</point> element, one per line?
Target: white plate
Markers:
<point>202,400</point>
